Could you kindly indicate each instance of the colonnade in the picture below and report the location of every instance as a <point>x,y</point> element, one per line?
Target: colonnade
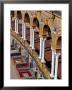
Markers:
<point>43,34</point>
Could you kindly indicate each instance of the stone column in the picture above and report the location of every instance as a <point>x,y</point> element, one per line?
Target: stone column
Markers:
<point>31,37</point>
<point>10,22</point>
<point>43,46</point>
<point>40,53</point>
<point>24,31</point>
<point>16,25</point>
<point>22,24</point>
<point>56,65</point>
<point>52,63</point>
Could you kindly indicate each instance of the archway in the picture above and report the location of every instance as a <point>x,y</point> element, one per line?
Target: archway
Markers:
<point>35,22</point>
<point>46,28</point>
<point>26,18</point>
<point>12,13</point>
<point>19,15</point>
<point>59,42</point>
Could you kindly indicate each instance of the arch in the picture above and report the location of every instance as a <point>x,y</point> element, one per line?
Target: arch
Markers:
<point>19,15</point>
<point>12,13</point>
<point>59,42</point>
<point>35,22</point>
<point>27,18</point>
<point>46,28</point>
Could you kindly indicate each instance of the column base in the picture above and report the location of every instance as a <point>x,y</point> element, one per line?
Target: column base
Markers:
<point>22,37</point>
<point>17,32</point>
<point>55,77</point>
<point>43,61</point>
<point>39,57</point>
<point>52,76</point>
<point>24,40</point>
<point>30,46</point>
<point>33,48</point>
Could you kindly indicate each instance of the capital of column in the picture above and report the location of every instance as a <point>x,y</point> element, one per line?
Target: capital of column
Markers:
<point>57,54</point>
<point>53,50</point>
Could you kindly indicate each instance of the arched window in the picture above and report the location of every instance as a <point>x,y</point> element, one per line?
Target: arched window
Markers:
<point>59,42</point>
<point>26,18</point>
<point>36,22</point>
<point>12,13</point>
<point>19,15</point>
<point>47,28</point>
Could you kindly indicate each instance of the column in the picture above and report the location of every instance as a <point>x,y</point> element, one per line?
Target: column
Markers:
<point>32,38</point>
<point>22,24</point>
<point>10,22</point>
<point>30,59</point>
<point>52,63</point>
<point>40,53</point>
<point>34,65</point>
<point>16,25</point>
<point>38,73</point>
<point>42,77</point>
<point>43,46</point>
<point>56,65</point>
<point>24,31</point>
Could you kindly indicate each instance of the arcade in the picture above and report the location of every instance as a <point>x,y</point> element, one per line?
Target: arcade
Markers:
<point>35,41</point>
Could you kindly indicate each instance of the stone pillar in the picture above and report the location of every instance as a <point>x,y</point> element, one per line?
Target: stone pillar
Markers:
<point>22,24</point>
<point>34,66</point>
<point>56,65</point>
<point>24,31</point>
<point>38,73</point>
<point>30,60</point>
<point>52,64</point>
<point>40,53</point>
<point>10,22</point>
<point>31,37</point>
<point>16,25</point>
<point>43,46</point>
